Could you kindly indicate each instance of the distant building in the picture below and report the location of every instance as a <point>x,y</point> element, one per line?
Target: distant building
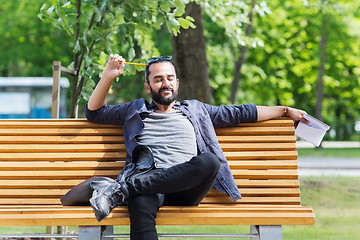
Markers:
<point>30,97</point>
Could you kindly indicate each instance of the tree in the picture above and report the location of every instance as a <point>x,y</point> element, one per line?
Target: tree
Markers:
<point>190,58</point>
<point>243,55</point>
<point>95,25</point>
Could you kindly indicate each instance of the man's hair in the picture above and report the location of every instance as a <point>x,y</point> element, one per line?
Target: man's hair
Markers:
<point>147,72</point>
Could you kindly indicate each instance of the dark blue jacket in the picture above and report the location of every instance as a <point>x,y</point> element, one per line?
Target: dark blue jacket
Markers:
<point>204,118</point>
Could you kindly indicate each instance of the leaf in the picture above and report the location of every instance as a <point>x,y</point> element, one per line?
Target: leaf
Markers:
<point>60,21</point>
<point>43,7</point>
<point>66,4</point>
<point>77,47</point>
<point>50,10</point>
<point>131,54</point>
<point>40,16</point>
<point>103,5</point>
<point>165,6</point>
<point>180,11</point>
<point>88,61</point>
<point>98,14</point>
<point>184,23</point>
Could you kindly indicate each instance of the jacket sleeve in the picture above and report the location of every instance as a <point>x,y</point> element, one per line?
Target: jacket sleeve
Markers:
<point>108,114</point>
<point>223,116</point>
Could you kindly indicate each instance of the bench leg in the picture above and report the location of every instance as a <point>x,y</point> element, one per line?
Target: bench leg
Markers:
<point>95,232</point>
<point>109,230</point>
<point>265,232</point>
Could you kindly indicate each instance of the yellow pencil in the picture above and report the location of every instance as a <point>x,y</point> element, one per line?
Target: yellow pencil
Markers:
<point>139,64</point>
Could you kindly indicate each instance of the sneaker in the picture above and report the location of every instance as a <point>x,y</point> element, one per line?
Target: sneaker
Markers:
<point>107,195</point>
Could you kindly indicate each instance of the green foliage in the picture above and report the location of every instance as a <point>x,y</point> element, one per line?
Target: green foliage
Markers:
<point>283,49</point>
<point>96,26</point>
<point>283,56</point>
<point>28,46</point>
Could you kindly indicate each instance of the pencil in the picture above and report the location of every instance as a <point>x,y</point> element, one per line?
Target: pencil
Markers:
<point>139,64</point>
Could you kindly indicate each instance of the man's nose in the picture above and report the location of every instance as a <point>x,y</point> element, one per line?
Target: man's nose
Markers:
<point>165,82</point>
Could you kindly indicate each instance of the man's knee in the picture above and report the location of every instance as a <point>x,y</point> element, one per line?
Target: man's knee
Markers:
<point>208,162</point>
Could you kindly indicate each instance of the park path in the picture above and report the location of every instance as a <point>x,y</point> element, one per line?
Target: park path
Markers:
<point>328,166</point>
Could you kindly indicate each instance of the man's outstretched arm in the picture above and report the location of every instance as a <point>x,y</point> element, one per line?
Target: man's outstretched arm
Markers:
<point>265,113</point>
<point>113,69</point>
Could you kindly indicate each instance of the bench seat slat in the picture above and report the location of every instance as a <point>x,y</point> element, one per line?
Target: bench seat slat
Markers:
<point>94,156</point>
<point>257,139</point>
<point>235,147</point>
<point>60,139</point>
<point>56,193</point>
<point>39,184</point>
<point>51,123</point>
<point>267,183</point>
<point>255,200</point>
<point>40,166</point>
<point>255,131</point>
<point>57,174</point>
<point>245,174</point>
<point>45,166</point>
<point>68,184</point>
<point>265,174</point>
<point>292,192</point>
<point>166,209</point>
<point>262,155</point>
<point>62,132</point>
<point>260,164</point>
<point>249,200</point>
<point>164,219</point>
<point>45,148</point>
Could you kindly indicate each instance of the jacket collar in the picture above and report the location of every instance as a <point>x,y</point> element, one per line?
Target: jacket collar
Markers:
<point>152,106</point>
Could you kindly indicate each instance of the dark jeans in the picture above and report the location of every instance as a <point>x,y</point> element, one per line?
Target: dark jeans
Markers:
<point>184,184</point>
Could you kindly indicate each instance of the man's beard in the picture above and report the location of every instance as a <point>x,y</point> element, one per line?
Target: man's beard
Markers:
<point>156,96</point>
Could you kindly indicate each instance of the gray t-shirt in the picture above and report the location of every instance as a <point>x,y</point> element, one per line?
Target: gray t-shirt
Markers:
<point>170,136</point>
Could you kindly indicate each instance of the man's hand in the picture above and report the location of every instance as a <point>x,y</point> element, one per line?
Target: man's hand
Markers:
<point>297,115</point>
<point>114,67</point>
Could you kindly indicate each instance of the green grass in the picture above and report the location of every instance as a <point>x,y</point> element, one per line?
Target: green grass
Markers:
<point>336,204</point>
<point>335,201</point>
<point>330,152</point>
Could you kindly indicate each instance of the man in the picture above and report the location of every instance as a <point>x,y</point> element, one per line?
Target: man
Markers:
<point>175,140</point>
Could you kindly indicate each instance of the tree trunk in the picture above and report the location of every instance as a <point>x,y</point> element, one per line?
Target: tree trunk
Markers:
<point>321,71</point>
<point>243,56</point>
<point>139,76</point>
<point>190,59</point>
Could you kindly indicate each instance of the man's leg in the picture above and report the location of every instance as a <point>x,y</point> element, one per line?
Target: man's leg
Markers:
<point>199,171</point>
<point>143,210</point>
<point>191,181</point>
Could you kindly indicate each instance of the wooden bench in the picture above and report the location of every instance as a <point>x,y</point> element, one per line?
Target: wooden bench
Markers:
<point>40,160</point>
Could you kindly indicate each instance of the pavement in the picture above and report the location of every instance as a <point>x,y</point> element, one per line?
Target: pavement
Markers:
<point>328,166</point>
<point>330,144</point>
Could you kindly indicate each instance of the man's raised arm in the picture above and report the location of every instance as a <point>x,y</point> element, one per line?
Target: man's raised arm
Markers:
<point>113,69</point>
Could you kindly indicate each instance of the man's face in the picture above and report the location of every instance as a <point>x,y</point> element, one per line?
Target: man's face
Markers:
<point>163,84</point>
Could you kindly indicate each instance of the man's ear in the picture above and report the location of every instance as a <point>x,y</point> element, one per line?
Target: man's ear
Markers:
<point>147,87</point>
